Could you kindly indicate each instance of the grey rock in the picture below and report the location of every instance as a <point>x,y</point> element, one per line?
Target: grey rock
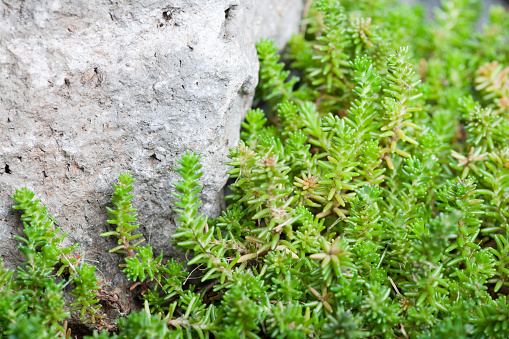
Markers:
<point>89,89</point>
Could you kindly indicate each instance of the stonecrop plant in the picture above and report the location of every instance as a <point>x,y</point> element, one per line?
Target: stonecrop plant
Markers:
<point>369,197</point>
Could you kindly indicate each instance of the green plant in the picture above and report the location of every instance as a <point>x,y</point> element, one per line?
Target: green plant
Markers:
<point>35,290</point>
<point>370,202</point>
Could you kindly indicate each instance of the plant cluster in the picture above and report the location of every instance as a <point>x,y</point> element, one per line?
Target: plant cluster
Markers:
<point>36,290</point>
<point>370,198</point>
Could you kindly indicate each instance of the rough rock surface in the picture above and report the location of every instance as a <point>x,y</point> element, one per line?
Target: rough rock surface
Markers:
<point>89,89</point>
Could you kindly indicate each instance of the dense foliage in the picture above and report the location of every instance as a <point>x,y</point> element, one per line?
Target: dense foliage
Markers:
<point>370,199</point>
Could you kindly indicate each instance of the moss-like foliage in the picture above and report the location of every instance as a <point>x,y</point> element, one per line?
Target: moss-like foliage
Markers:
<point>369,200</point>
<point>32,302</point>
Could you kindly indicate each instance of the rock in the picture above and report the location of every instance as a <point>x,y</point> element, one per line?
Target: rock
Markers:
<point>89,89</point>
